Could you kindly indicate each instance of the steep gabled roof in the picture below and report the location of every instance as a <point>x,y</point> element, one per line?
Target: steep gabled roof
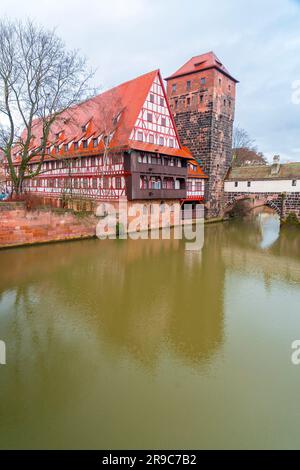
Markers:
<point>93,117</point>
<point>199,63</point>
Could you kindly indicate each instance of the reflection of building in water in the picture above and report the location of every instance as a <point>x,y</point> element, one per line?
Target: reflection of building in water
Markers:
<point>243,252</point>
<point>133,295</point>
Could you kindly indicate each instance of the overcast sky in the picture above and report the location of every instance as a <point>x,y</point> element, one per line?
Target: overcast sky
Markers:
<point>257,40</point>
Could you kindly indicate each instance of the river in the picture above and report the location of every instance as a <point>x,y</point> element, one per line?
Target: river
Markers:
<point>142,344</point>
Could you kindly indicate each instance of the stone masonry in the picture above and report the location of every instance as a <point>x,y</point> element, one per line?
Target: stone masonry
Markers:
<point>204,114</point>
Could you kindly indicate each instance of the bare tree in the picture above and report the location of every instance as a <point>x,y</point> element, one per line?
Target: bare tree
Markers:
<point>241,139</point>
<point>39,80</point>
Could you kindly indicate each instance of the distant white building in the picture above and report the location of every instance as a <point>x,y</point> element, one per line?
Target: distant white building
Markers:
<point>275,178</point>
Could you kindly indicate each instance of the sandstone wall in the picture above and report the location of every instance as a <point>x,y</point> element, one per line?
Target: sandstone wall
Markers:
<point>19,226</point>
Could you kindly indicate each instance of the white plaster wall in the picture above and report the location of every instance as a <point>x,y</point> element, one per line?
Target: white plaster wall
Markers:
<point>271,186</point>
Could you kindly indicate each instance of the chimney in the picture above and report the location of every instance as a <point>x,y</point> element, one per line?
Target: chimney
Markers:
<point>275,167</point>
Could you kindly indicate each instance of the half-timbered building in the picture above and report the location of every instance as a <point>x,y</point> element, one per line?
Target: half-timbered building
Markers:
<point>122,143</point>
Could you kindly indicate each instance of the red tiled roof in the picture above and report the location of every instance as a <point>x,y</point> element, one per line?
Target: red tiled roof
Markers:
<point>146,147</point>
<point>199,173</point>
<point>199,63</point>
<point>124,101</point>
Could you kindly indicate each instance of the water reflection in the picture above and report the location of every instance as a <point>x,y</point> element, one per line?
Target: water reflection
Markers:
<point>96,328</point>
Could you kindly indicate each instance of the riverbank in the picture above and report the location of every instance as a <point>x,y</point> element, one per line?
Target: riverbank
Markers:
<point>20,226</point>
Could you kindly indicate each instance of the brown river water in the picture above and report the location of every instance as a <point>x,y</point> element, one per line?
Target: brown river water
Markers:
<point>142,344</point>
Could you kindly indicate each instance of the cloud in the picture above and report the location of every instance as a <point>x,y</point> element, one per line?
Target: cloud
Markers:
<point>258,41</point>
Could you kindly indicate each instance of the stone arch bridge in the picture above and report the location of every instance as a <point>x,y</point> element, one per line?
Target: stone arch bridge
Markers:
<point>248,201</point>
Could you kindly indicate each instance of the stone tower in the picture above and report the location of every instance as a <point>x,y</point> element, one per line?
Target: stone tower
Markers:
<point>202,98</point>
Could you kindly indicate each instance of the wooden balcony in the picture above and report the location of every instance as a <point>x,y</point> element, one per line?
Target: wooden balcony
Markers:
<point>138,193</point>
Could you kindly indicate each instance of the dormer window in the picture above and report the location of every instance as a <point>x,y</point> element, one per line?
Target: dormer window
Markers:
<point>83,128</point>
<point>95,142</point>
<point>66,147</point>
<point>85,143</point>
<point>57,135</point>
<point>56,148</point>
<point>75,145</point>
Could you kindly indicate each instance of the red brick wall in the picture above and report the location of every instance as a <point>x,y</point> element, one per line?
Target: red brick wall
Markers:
<point>19,226</point>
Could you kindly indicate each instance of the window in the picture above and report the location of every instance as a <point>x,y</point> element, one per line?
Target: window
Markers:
<point>188,101</point>
<point>118,182</point>
<point>162,207</point>
<point>203,81</point>
<point>176,104</point>
<point>294,183</point>
<point>95,142</point>
<point>83,128</point>
<point>229,87</point>
<point>143,182</point>
<point>161,141</point>
<point>174,88</point>
<point>224,102</point>
<point>94,183</point>
<point>188,85</point>
<point>48,150</point>
<point>151,139</point>
<point>161,101</point>
<point>56,148</point>
<point>84,144</point>
<point>66,147</point>
<point>229,104</point>
<point>163,121</point>
<point>139,158</point>
<point>171,143</point>
<point>75,145</point>
<point>249,184</point>
<point>151,98</point>
<point>140,136</point>
<point>149,117</point>
<point>177,184</point>
<point>105,183</point>
<point>236,184</point>
<point>220,82</point>
<point>201,98</point>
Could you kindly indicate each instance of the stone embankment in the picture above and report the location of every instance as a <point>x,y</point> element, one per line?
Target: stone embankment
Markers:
<point>19,226</point>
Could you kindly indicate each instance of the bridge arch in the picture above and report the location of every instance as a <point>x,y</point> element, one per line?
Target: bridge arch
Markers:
<point>250,201</point>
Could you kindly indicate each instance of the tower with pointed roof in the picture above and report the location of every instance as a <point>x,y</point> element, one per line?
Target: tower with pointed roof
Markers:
<point>202,98</point>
